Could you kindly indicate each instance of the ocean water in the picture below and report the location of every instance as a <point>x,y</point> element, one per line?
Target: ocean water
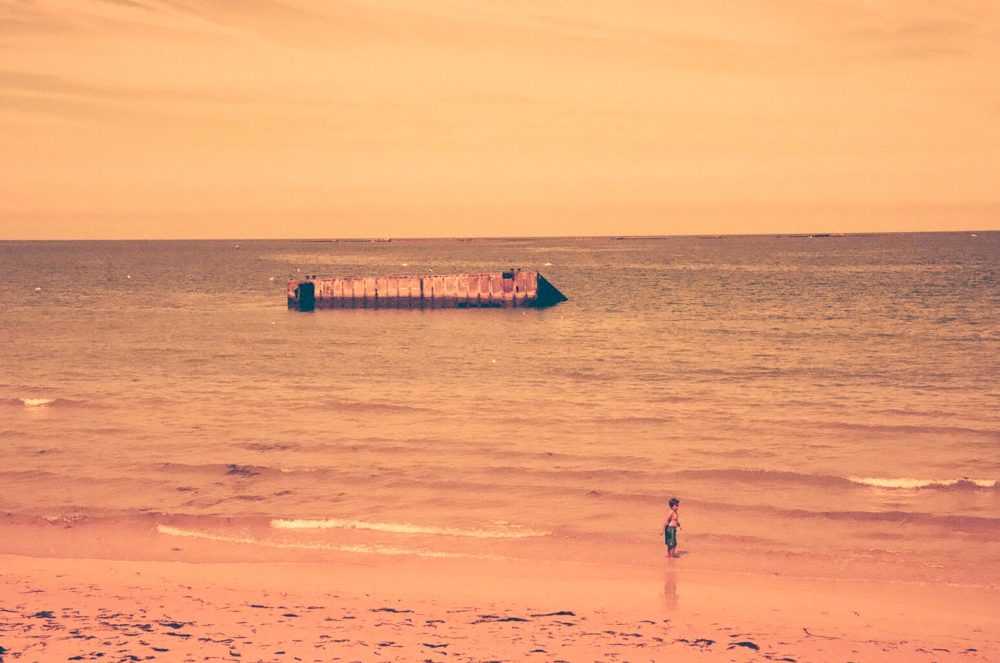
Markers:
<point>821,403</point>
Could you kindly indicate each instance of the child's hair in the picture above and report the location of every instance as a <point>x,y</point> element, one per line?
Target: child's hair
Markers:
<point>674,502</point>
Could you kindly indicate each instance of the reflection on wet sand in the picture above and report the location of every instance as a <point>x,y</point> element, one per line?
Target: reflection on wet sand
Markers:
<point>670,589</point>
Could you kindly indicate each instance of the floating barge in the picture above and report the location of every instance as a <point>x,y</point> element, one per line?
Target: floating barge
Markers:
<point>489,290</point>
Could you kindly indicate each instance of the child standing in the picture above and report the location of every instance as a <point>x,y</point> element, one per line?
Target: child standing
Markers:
<point>670,526</point>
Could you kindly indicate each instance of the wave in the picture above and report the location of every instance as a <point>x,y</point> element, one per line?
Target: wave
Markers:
<point>832,481</point>
<point>501,531</point>
<point>209,536</point>
<point>763,476</point>
<point>984,526</point>
<point>363,406</point>
<point>954,523</point>
<point>34,402</point>
<point>227,469</point>
<point>913,484</point>
<point>912,429</point>
<point>37,402</point>
<point>352,548</point>
<point>636,420</point>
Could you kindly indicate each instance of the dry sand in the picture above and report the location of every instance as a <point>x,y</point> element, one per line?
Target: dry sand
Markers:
<point>370,608</point>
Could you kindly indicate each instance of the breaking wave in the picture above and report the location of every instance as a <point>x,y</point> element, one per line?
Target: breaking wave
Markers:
<point>779,477</point>
<point>34,402</point>
<point>37,402</point>
<point>912,484</point>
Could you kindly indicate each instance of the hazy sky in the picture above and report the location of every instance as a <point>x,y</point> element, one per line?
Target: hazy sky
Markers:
<point>322,118</point>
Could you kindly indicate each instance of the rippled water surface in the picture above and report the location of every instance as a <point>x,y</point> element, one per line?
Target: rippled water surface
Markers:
<point>803,396</point>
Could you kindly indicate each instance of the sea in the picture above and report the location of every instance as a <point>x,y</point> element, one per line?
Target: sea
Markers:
<point>824,405</point>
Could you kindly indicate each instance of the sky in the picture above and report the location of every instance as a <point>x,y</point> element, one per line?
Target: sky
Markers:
<point>425,118</point>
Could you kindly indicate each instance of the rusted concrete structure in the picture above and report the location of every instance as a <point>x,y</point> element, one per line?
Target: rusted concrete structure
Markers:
<point>494,289</point>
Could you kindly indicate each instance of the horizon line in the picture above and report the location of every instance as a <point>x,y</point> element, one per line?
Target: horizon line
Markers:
<point>472,238</point>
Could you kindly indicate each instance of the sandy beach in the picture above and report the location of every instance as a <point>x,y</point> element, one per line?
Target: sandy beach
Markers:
<point>379,607</point>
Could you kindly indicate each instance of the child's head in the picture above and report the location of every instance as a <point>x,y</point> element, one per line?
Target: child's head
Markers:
<point>674,502</point>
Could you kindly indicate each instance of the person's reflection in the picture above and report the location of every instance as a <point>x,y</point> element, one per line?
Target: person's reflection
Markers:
<point>669,589</point>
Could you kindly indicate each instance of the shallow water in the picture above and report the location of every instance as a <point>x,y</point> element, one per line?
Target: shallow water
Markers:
<point>818,399</point>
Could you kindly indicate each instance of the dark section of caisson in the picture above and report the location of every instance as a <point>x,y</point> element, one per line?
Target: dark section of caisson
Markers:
<point>548,294</point>
<point>305,296</point>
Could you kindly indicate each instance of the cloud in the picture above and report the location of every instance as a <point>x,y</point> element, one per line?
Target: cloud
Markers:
<point>925,38</point>
<point>45,85</point>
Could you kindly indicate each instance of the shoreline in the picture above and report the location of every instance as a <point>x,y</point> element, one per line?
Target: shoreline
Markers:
<point>364,607</point>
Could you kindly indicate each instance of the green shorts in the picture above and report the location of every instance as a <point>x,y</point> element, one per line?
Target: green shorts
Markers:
<point>670,536</point>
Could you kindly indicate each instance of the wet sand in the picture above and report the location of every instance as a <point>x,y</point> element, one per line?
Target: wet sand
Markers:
<point>366,607</point>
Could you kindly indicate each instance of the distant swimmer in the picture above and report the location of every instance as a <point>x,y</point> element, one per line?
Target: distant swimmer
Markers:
<point>670,527</point>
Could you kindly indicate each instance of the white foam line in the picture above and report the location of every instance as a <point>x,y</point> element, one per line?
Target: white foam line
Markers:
<point>36,402</point>
<point>209,536</point>
<point>919,483</point>
<point>358,548</point>
<point>405,528</point>
<point>391,550</point>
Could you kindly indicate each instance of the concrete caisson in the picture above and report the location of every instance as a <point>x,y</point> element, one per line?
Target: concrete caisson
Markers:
<point>486,290</point>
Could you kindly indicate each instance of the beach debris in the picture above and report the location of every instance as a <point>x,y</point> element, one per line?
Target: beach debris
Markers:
<point>174,625</point>
<point>745,643</point>
<point>494,618</point>
<point>435,646</point>
<point>43,614</point>
<point>65,521</point>
<point>816,635</point>
<point>241,470</point>
<point>395,610</point>
<point>561,613</point>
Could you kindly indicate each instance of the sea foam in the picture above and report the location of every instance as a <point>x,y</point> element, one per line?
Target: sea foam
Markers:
<point>498,532</point>
<point>355,548</point>
<point>912,484</point>
<point>37,402</point>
